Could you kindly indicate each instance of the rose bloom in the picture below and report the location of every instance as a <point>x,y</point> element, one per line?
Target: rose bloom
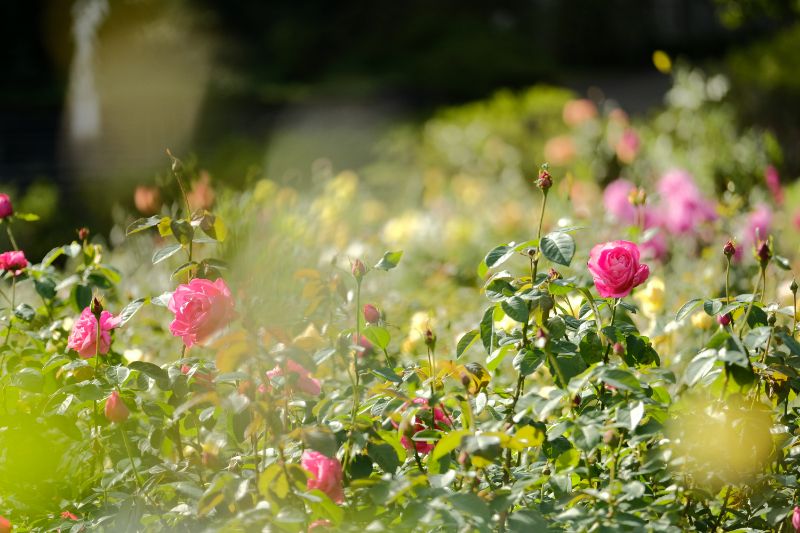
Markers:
<point>202,194</point>
<point>796,519</point>
<point>684,207</point>
<point>616,269</point>
<point>68,516</point>
<point>758,225</point>
<point>422,422</point>
<point>6,209</point>
<point>628,146</point>
<point>116,410</point>
<point>773,180</point>
<point>326,474</point>
<point>147,199</point>
<point>13,261</point>
<point>303,382</point>
<point>83,337</point>
<point>579,111</point>
<point>201,308</point>
<point>559,150</point>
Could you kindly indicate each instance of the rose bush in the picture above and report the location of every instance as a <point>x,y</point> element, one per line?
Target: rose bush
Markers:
<point>223,371</point>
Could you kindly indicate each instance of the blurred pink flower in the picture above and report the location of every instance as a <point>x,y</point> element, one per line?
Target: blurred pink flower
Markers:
<point>326,474</point>
<point>559,150</point>
<point>683,205</point>
<point>773,180</point>
<point>304,382</point>
<point>579,111</point>
<point>628,146</point>
<point>615,198</point>
<point>758,225</point>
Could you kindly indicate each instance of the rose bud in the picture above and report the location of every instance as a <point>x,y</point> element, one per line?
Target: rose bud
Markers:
<point>371,314</point>
<point>724,320</point>
<point>358,269</point>
<point>576,400</point>
<point>729,249</point>
<point>6,209</point>
<point>83,234</point>
<point>553,274</point>
<point>5,525</point>
<point>66,515</point>
<point>430,339</point>
<point>793,287</point>
<point>618,348</point>
<point>115,410</point>
<point>611,438</point>
<point>363,346</point>
<point>764,254</point>
<point>96,308</point>
<point>796,519</point>
<point>544,181</point>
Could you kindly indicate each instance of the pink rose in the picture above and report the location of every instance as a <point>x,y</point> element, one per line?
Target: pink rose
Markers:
<point>628,146</point>
<point>326,474</point>
<point>578,111</point>
<point>303,380</point>
<point>684,207</point>
<point>83,337</point>
<point>371,314</point>
<point>13,261</point>
<point>796,519</point>
<point>773,180</point>
<point>758,225</point>
<point>6,209</point>
<point>5,525</point>
<point>364,347</point>
<point>422,421</point>
<point>615,268</point>
<point>116,410</point>
<point>201,308</point>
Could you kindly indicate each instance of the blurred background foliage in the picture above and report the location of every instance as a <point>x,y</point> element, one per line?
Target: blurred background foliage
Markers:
<point>278,89</point>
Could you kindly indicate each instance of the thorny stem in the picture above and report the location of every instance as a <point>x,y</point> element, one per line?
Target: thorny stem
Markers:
<point>354,377</point>
<point>130,458</point>
<point>11,236</point>
<point>610,325</point>
<point>761,278</point>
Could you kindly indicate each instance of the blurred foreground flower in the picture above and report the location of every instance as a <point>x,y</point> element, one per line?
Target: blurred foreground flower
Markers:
<point>326,474</point>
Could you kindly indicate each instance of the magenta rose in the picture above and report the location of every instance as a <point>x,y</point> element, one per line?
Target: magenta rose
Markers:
<point>303,380</point>
<point>6,209</point>
<point>684,207</point>
<point>13,261</point>
<point>796,518</point>
<point>616,269</point>
<point>83,337</point>
<point>201,308</point>
<point>116,410</point>
<point>425,420</point>
<point>326,474</point>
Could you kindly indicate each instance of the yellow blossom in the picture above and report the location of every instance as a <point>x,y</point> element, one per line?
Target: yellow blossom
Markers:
<point>702,320</point>
<point>651,298</point>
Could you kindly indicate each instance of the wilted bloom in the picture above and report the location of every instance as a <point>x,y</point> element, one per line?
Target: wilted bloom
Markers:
<point>371,314</point>
<point>201,308</point>
<point>115,410</point>
<point>13,261</point>
<point>422,421</point>
<point>5,525</point>
<point>651,297</point>
<point>147,199</point>
<point>628,146</point>
<point>6,208</point>
<point>202,194</point>
<point>579,111</point>
<point>68,516</point>
<point>684,207</point>
<point>796,519</point>
<point>616,269</point>
<point>326,474</point>
<point>83,337</point>
<point>773,180</point>
<point>298,377</point>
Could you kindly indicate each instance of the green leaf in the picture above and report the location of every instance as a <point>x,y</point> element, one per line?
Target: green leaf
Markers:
<point>45,287</point>
<point>687,308</point>
<point>81,297</point>
<point>782,262</point>
<point>498,256</point>
<point>129,310</point>
<point>389,260</point>
<point>378,336</point>
<point>183,269</point>
<point>166,252</point>
<point>528,360</point>
<point>27,217</point>
<point>487,329</point>
<point>142,224</point>
<point>182,230</point>
<point>558,247</point>
<point>700,366</point>
<point>466,340</point>
<point>712,307</point>
<point>621,379</point>
<point>153,371</point>
<point>516,308</point>
<point>321,439</point>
